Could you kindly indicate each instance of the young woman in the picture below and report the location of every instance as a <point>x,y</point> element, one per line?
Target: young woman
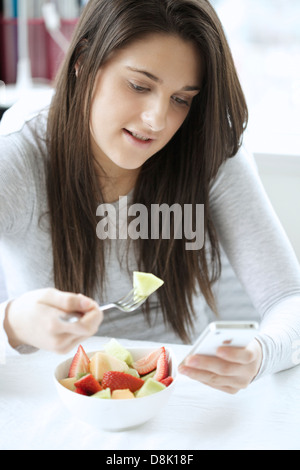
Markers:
<point>147,105</point>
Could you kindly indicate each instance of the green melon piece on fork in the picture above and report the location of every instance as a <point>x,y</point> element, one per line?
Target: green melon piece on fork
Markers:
<point>145,284</point>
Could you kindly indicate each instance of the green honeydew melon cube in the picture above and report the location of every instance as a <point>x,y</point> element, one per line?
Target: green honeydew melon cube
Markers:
<point>106,393</point>
<point>148,376</point>
<point>145,284</point>
<point>150,386</point>
<point>133,372</point>
<point>114,348</point>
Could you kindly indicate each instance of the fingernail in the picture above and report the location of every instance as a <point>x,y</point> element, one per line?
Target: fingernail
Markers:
<point>85,302</point>
<point>222,353</point>
<point>182,369</point>
<point>190,361</point>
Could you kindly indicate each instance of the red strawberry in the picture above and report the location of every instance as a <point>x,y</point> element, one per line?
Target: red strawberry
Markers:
<point>80,363</point>
<point>88,384</point>
<point>79,391</point>
<point>148,363</point>
<point>162,368</point>
<point>167,381</point>
<point>120,380</point>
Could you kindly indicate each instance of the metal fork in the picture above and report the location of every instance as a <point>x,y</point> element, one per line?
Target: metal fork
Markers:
<point>128,303</point>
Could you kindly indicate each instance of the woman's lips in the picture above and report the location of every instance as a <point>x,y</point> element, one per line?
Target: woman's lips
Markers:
<point>135,137</point>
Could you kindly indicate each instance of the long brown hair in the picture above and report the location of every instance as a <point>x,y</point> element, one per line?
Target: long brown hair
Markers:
<point>182,172</point>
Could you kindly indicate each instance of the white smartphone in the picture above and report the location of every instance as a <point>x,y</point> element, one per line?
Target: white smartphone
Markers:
<point>224,333</point>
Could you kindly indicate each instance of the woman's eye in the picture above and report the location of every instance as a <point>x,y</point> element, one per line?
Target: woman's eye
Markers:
<point>181,102</point>
<point>137,88</point>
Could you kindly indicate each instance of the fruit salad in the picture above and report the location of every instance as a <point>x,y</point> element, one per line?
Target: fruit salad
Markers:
<point>113,373</point>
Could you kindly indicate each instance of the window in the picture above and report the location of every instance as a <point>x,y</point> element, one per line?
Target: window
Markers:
<point>264,36</point>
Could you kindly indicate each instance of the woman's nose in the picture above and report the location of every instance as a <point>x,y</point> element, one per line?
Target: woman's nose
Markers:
<point>155,115</point>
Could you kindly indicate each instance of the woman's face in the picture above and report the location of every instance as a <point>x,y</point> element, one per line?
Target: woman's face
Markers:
<point>142,96</point>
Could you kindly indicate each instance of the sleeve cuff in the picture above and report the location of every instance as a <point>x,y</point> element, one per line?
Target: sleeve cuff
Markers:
<point>279,337</point>
<point>5,347</point>
<point>6,350</point>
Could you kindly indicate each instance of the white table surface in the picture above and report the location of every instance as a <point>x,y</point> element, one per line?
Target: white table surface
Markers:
<point>265,416</point>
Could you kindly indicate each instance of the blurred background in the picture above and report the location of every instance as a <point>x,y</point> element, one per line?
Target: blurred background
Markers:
<point>46,39</point>
<point>265,40</point>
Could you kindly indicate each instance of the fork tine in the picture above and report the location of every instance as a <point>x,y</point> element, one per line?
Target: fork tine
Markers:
<point>134,305</point>
<point>127,298</point>
<point>130,301</point>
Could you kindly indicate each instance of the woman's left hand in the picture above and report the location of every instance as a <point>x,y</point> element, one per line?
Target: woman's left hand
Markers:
<point>231,370</point>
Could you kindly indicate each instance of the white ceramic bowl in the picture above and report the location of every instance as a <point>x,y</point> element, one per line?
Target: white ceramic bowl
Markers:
<point>115,415</point>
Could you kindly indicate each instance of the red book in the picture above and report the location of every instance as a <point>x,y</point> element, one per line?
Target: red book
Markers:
<point>37,41</point>
<point>9,49</point>
<point>54,52</point>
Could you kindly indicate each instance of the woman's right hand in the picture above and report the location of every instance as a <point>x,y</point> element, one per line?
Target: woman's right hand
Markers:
<point>35,319</point>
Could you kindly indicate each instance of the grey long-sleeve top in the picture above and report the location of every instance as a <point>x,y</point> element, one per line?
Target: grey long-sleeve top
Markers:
<point>249,232</point>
